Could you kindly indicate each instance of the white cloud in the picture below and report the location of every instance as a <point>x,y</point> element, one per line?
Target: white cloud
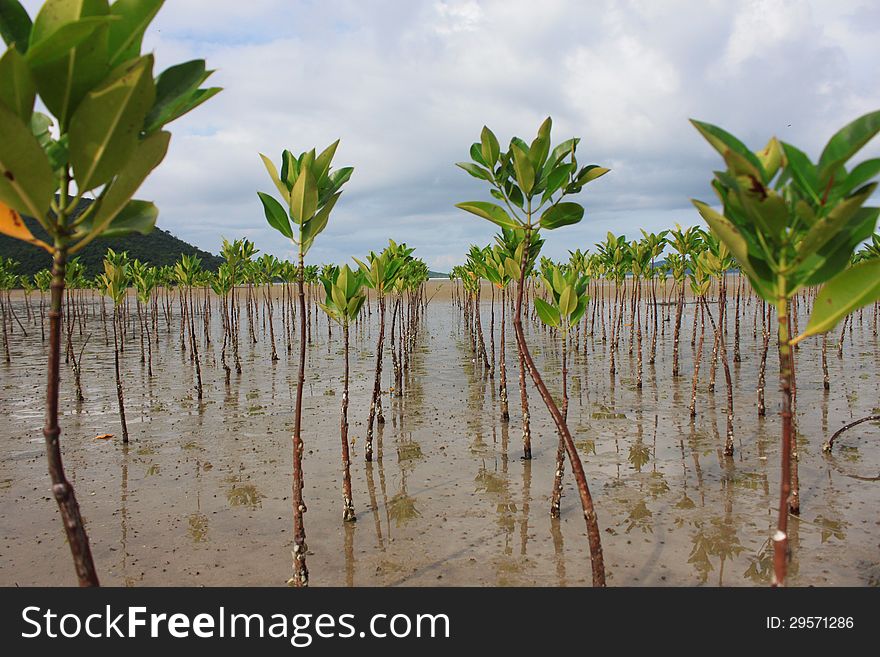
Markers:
<point>407,87</point>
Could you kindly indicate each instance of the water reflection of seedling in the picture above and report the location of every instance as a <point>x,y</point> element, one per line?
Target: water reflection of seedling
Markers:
<point>152,470</point>
<point>831,528</point>
<point>748,480</point>
<point>587,445</point>
<point>245,495</point>
<point>198,527</point>
<point>145,451</point>
<point>402,509</point>
<point>640,516</point>
<point>717,540</point>
<point>850,453</point>
<point>489,482</point>
<point>606,413</point>
<point>639,455</point>
<point>192,444</point>
<point>329,392</point>
<point>685,502</point>
<point>657,485</point>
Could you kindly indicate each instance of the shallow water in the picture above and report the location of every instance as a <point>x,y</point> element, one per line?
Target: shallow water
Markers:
<point>201,496</point>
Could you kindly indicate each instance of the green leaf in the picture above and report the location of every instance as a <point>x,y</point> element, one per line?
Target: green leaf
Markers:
<point>303,197</point>
<point>15,25</point>
<point>104,129</point>
<point>567,301</point>
<point>512,269</point>
<point>861,173</point>
<point>562,151</point>
<point>318,223</point>
<point>127,33</point>
<point>276,215</point>
<point>273,174</point>
<point>722,141</point>
<point>525,170</point>
<point>26,181</point>
<point>490,148</point>
<point>555,179</point>
<point>802,171</point>
<point>17,87</point>
<point>490,211</point>
<point>590,173</point>
<point>579,310</point>
<point>562,214</point>
<point>730,235</point>
<point>548,314</point>
<point>289,169</point>
<point>322,162</point>
<point>475,170</point>
<point>835,256</point>
<point>191,102</point>
<point>847,141</point>
<point>135,217</point>
<point>828,227</point>
<point>538,152</point>
<point>149,153</point>
<point>850,290</point>
<point>174,87</point>
<point>69,63</point>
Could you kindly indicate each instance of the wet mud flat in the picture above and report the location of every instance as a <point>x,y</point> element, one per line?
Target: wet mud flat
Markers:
<point>201,495</point>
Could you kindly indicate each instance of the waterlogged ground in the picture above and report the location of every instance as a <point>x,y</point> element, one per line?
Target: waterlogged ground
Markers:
<point>201,496</point>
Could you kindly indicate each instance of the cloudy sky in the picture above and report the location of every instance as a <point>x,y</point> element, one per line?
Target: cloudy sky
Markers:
<point>407,85</point>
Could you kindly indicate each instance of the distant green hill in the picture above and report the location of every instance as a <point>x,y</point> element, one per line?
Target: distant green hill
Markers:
<point>159,248</point>
<point>437,274</point>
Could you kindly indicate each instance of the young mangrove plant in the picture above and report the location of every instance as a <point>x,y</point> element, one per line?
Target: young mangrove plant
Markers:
<point>84,61</point>
<point>343,301</point>
<point>380,273</point>
<point>566,303</point>
<point>114,284</point>
<point>526,178</point>
<point>791,223</point>
<point>310,190</point>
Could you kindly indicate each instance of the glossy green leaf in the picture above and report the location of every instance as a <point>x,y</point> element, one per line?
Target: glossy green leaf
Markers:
<point>127,33</point>
<point>146,157</point>
<point>135,217</point>
<point>567,301</point>
<point>538,152</point>
<point>489,147</point>
<point>828,227</point>
<point>722,141</point>
<point>494,213</point>
<point>847,141</point>
<point>26,181</point>
<point>475,170</point>
<point>105,128</point>
<point>70,63</point>
<point>835,256</point>
<point>174,86</point>
<point>548,314</point>
<point>323,161</point>
<point>15,25</point>
<point>276,215</point>
<point>561,214</point>
<point>728,233</point>
<point>303,197</point>
<point>318,223</point>
<point>555,179</point>
<point>562,151</point>
<point>17,87</point>
<point>802,171</point>
<point>579,310</point>
<point>861,174</point>
<point>512,269</point>
<point>844,294</point>
<point>273,174</point>
<point>525,170</point>
<point>590,173</point>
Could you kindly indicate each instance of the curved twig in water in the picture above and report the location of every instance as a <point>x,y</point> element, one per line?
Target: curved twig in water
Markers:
<point>827,446</point>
